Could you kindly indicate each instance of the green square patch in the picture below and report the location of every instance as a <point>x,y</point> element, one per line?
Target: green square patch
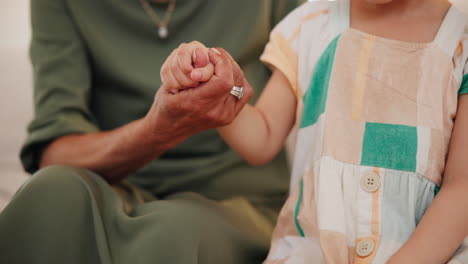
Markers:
<point>390,146</point>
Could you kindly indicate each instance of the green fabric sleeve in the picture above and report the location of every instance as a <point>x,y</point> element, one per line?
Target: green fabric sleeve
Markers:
<point>62,80</point>
<point>464,85</point>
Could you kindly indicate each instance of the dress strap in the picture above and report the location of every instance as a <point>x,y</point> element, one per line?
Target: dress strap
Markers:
<point>451,30</point>
<point>340,12</point>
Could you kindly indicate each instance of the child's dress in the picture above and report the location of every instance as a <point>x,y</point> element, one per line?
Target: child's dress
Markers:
<point>376,117</point>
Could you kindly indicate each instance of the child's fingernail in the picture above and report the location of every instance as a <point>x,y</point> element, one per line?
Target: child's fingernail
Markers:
<point>215,50</point>
<point>194,55</point>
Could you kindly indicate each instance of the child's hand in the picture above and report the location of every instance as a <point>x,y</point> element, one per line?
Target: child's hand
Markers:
<point>187,67</point>
<point>203,68</point>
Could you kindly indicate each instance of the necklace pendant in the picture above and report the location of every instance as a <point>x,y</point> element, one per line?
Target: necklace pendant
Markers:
<point>163,32</point>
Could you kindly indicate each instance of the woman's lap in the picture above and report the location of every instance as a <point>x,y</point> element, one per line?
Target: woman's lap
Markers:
<point>70,215</point>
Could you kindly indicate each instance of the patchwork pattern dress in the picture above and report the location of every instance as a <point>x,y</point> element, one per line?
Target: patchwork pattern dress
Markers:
<point>375,121</point>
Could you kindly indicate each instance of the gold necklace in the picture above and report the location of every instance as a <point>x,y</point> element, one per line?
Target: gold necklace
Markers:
<point>161,24</point>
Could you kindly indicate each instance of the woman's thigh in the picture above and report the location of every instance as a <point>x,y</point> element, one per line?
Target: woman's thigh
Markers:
<point>71,215</point>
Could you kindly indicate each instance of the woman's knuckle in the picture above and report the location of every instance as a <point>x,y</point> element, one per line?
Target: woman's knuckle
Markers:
<point>186,69</point>
<point>182,52</point>
<point>210,116</point>
<point>213,117</point>
<point>164,70</point>
<point>173,67</point>
<point>195,42</point>
<point>241,74</point>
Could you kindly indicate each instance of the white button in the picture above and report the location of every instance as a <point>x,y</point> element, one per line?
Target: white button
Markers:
<point>370,181</point>
<point>365,247</point>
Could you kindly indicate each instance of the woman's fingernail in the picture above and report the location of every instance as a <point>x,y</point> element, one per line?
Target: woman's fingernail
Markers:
<point>215,50</point>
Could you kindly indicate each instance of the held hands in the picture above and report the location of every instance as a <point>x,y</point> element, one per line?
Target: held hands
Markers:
<point>187,67</point>
<point>195,94</point>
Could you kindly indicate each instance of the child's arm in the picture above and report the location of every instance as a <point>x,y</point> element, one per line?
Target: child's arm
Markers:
<point>258,133</point>
<point>445,224</point>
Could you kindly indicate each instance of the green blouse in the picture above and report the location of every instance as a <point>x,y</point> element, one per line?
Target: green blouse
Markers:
<point>96,67</point>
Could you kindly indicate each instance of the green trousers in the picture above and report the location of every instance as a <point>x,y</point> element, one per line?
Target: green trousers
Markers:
<point>70,215</point>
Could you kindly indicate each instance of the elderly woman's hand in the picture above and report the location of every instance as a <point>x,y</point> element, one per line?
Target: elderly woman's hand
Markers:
<point>190,102</point>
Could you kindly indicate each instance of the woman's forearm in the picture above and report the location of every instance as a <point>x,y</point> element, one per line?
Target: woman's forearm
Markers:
<point>441,231</point>
<point>113,154</point>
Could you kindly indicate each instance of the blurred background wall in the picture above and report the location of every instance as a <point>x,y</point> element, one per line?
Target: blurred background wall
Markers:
<point>463,4</point>
<point>15,92</point>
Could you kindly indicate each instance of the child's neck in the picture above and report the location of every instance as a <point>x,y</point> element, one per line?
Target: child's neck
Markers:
<point>405,20</point>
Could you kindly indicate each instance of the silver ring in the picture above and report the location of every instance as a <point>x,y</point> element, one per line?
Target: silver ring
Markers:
<point>238,92</point>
